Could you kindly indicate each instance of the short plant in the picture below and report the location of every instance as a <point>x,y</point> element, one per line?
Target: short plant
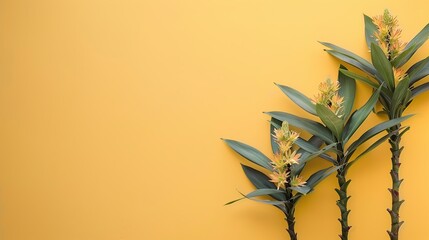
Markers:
<point>283,184</point>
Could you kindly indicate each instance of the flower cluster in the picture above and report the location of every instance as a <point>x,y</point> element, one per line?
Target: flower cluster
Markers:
<point>329,97</point>
<point>285,158</point>
<point>388,35</point>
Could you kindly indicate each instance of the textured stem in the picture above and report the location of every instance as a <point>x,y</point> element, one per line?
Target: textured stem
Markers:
<point>290,215</point>
<point>343,183</point>
<point>290,219</point>
<point>395,149</point>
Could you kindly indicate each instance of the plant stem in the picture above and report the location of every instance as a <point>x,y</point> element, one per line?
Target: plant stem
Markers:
<point>395,149</point>
<point>290,215</point>
<point>342,202</point>
<point>343,184</point>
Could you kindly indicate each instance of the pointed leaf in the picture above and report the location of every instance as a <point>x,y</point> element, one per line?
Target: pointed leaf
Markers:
<point>270,202</point>
<point>264,192</point>
<point>404,56</point>
<point>258,193</point>
<point>303,189</point>
<point>318,176</point>
<point>347,91</point>
<point>374,131</point>
<point>370,148</point>
<point>308,125</point>
<point>359,116</point>
<point>300,99</point>
<point>334,123</point>
<point>356,76</point>
<point>414,44</point>
<point>274,124</point>
<point>250,153</point>
<point>261,181</point>
<point>400,95</point>
<point>350,58</point>
<point>418,71</point>
<point>370,29</point>
<point>419,90</point>
<point>383,66</point>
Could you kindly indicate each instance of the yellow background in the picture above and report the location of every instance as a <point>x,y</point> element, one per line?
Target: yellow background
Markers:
<point>111,114</point>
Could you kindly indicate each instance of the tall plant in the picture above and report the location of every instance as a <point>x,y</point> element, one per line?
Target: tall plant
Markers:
<point>398,86</point>
<point>283,185</point>
<point>338,124</point>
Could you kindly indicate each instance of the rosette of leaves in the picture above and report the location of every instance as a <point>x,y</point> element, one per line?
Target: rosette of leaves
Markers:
<point>284,191</point>
<point>399,85</point>
<point>338,125</point>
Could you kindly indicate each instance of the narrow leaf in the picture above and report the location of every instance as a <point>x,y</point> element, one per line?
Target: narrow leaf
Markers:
<point>372,147</point>
<point>300,99</point>
<point>347,91</point>
<point>358,62</point>
<point>261,181</point>
<point>334,123</point>
<point>274,124</point>
<point>359,116</point>
<point>414,44</point>
<point>400,95</point>
<point>318,176</point>
<point>370,29</point>
<point>418,71</point>
<point>250,153</point>
<point>374,131</point>
<point>308,125</point>
<point>383,66</point>
<point>419,90</point>
<point>303,189</point>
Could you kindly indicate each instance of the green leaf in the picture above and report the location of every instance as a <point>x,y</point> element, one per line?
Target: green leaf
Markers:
<point>414,44</point>
<point>399,99</point>
<point>318,176</point>
<point>383,66</point>
<point>356,76</point>
<point>419,90</point>
<point>261,181</point>
<point>334,123</point>
<point>309,150</point>
<point>264,192</point>
<point>315,142</point>
<point>303,189</point>
<point>372,147</point>
<point>404,56</point>
<point>359,116</point>
<point>374,131</point>
<point>297,168</point>
<point>310,126</point>
<point>385,92</point>
<point>370,29</point>
<point>258,193</point>
<point>300,99</point>
<point>347,91</point>
<point>350,58</point>
<point>250,153</point>
<point>418,71</point>
<point>274,124</point>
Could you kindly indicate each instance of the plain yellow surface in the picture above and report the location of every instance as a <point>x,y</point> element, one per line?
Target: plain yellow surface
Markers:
<point>111,114</point>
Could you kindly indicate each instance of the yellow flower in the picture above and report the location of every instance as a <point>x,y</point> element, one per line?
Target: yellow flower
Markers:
<point>297,181</point>
<point>279,178</point>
